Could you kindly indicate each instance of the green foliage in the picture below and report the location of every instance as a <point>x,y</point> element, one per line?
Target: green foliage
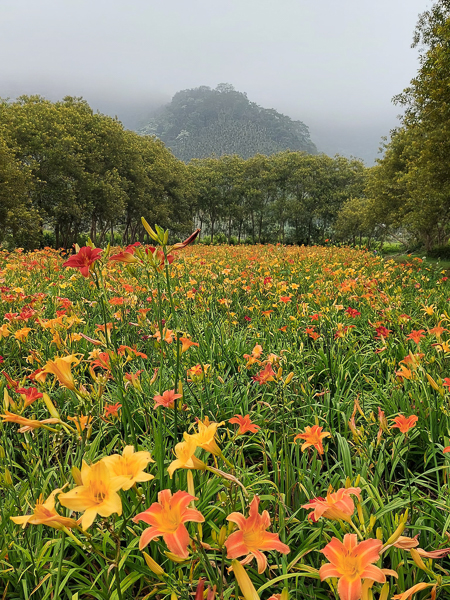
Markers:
<point>201,122</point>
<point>440,252</point>
<point>288,197</point>
<point>411,184</point>
<point>20,222</point>
<point>74,171</point>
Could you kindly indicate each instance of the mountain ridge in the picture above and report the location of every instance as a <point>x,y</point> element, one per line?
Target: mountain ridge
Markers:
<point>203,122</point>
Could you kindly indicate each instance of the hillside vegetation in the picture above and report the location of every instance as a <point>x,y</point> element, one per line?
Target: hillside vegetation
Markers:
<point>202,122</point>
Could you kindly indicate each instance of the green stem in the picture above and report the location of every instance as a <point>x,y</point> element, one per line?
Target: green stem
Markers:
<point>350,522</point>
<point>177,366</point>
<point>60,563</point>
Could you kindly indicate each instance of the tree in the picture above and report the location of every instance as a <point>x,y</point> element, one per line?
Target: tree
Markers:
<point>19,222</point>
<point>425,131</point>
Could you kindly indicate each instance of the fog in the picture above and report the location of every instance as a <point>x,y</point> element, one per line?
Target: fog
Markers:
<point>333,65</point>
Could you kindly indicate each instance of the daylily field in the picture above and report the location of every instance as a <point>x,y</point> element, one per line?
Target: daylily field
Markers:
<point>187,421</point>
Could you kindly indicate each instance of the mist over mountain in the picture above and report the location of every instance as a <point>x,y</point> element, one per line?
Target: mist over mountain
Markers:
<point>203,122</point>
<point>141,109</point>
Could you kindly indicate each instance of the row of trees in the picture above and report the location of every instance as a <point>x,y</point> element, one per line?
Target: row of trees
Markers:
<point>68,171</point>
<point>288,197</point>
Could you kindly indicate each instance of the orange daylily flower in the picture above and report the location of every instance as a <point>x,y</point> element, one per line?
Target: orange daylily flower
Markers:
<point>408,594</point>
<point>167,400</point>
<point>97,493</point>
<point>437,331</point>
<point>167,518</point>
<point>27,424</point>
<point>416,336</point>
<point>4,331</point>
<point>351,562</point>
<point>133,379</point>
<point>337,505</point>
<point>186,344</point>
<point>131,352</point>
<point>60,367</point>
<point>185,453</point>
<point>44,513</point>
<point>130,465</point>
<point>405,423</point>
<point>167,335</point>
<point>245,424</point>
<point>205,438</point>
<point>112,410</point>
<point>406,543</point>
<point>22,334</point>
<point>404,373</point>
<point>313,436</point>
<point>81,422</point>
<point>197,373</point>
<point>413,360</point>
<point>252,537</point>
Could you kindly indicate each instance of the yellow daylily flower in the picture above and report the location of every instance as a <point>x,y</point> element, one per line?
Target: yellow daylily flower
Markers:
<point>130,465</point>
<point>97,494</point>
<point>44,513</point>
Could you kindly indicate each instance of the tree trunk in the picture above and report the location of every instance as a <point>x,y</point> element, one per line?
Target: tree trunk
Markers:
<point>93,229</point>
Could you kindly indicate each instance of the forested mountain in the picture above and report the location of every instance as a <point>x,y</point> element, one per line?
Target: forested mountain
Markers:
<point>204,122</point>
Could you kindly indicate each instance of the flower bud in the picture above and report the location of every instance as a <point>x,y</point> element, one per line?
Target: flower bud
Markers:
<point>245,584</point>
<point>289,378</point>
<point>418,560</point>
<point>190,483</point>
<point>76,474</point>
<point>222,536</point>
<point>384,594</point>
<point>7,477</point>
<point>153,565</point>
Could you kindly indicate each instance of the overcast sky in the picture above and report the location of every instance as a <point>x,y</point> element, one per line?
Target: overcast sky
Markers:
<point>334,64</point>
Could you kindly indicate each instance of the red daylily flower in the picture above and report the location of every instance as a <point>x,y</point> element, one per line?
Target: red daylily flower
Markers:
<point>84,259</point>
<point>267,374</point>
<point>382,332</point>
<point>29,395</point>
